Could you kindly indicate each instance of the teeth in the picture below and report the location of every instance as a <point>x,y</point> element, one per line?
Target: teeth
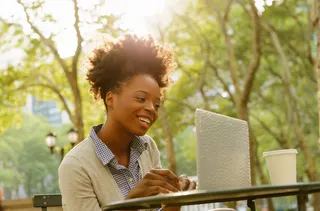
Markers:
<point>145,120</point>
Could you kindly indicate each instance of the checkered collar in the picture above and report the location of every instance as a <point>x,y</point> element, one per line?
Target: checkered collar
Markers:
<point>137,146</point>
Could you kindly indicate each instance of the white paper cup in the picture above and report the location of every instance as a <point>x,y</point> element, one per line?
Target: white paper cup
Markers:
<point>282,166</point>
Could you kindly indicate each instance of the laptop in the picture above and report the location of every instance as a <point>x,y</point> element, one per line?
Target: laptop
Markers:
<point>223,158</point>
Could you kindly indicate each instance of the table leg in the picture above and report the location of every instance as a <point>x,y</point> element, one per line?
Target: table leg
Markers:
<point>251,205</point>
<point>302,200</point>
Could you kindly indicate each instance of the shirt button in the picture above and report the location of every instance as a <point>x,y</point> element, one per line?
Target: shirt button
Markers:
<point>130,179</point>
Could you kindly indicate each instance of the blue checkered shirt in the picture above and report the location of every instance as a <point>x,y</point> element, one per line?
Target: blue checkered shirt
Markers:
<point>126,178</point>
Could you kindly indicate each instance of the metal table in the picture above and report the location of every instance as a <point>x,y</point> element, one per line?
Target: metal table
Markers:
<point>301,190</point>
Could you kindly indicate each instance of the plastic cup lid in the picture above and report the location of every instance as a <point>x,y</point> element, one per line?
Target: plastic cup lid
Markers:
<point>279,152</point>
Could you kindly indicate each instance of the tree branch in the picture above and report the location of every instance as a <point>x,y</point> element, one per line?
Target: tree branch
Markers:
<point>256,49</point>
<point>57,91</point>
<point>79,37</point>
<point>266,105</point>
<point>191,108</point>
<point>279,139</point>
<point>65,105</point>
<point>293,15</point>
<point>227,10</point>
<point>180,66</point>
<point>202,81</point>
<point>309,34</point>
<point>48,86</point>
<point>225,86</point>
<point>205,47</point>
<point>46,41</point>
<point>244,7</point>
<point>286,77</point>
<point>45,78</point>
<point>197,31</point>
<point>230,50</point>
<point>270,69</point>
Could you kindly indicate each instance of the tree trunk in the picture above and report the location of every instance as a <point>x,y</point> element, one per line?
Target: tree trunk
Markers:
<point>171,158</point>
<point>242,97</point>
<point>243,113</point>
<point>78,114</point>
<point>169,139</point>
<point>263,178</point>
<point>292,106</point>
<point>316,24</point>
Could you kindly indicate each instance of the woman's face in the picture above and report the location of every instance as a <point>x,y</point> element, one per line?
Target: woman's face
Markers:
<point>135,107</point>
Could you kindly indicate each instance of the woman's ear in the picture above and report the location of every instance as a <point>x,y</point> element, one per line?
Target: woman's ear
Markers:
<point>109,99</point>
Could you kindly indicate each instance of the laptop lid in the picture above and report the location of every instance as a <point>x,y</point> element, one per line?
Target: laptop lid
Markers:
<point>223,158</point>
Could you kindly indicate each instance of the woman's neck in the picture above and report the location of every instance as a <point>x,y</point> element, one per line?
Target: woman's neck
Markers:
<point>115,138</point>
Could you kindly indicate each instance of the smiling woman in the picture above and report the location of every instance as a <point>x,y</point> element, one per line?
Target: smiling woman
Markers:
<point>118,160</point>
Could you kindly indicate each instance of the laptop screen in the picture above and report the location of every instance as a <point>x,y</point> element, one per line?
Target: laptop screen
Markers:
<point>223,158</point>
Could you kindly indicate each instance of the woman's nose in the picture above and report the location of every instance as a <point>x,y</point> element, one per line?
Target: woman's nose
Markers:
<point>150,107</point>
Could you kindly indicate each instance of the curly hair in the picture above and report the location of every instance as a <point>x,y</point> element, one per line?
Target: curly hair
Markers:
<point>118,60</point>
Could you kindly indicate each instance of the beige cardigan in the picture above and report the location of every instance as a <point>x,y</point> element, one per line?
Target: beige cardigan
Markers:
<point>85,184</point>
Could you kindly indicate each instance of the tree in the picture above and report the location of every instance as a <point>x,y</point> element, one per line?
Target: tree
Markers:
<point>316,62</point>
<point>26,160</point>
<point>61,76</point>
<point>10,106</point>
<point>278,118</point>
<point>204,49</point>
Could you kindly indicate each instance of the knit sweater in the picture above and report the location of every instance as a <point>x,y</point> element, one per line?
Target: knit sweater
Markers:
<point>86,184</point>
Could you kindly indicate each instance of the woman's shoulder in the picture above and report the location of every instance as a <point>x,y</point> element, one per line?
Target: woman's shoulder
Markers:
<point>81,151</point>
<point>150,142</point>
<point>86,145</point>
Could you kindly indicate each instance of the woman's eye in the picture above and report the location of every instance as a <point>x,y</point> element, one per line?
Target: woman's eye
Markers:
<point>141,99</point>
<point>157,106</point>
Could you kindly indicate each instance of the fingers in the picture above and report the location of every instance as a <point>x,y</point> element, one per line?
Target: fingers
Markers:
<point>192,185</point>
<point>153,176</point>
<point>152,179</point>
<point>154,182</point>
<point>185,181</point>
<point>169,176</point>
<point>187,184</point>
<point>154,190</point>
<point>166,173</point>
<point>163,184</point>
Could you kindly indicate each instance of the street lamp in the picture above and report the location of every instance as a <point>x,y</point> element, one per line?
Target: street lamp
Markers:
<point>73,136</point>
<point>51,141</point>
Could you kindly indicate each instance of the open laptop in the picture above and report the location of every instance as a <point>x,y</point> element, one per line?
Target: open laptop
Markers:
<point>223,158</point>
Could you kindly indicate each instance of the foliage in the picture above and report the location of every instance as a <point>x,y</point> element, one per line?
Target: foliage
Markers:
<point>26,160</point>
<point>200,50</point>
<point>202,81</point>
<point>43,69</point>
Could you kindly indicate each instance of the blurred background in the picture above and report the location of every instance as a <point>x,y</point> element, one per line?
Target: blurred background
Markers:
<point>255,60</point>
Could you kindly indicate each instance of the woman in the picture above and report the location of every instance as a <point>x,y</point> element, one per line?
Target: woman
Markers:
<point>118,161</point>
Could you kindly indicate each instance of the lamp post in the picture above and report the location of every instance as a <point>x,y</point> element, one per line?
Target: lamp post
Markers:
<point>51,141</point>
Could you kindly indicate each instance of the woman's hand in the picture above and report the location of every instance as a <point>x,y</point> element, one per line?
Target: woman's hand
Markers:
<point>154,182</point>
<point>187,183</point>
